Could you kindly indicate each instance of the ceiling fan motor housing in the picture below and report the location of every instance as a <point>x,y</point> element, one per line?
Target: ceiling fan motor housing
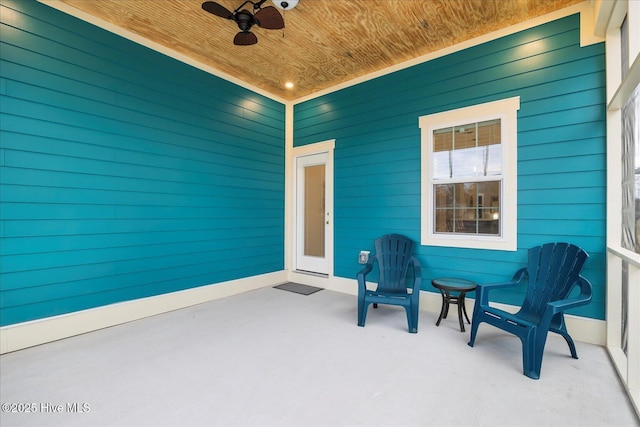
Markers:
<point>244,19</point>
<point>266,17</point>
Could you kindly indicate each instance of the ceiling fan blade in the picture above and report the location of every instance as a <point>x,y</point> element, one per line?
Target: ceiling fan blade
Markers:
<point>245,39</point>
<point>217,9</point>
<point>269,18</point>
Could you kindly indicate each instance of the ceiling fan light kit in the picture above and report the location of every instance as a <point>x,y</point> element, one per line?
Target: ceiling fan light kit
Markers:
<point>266,17</point>
<point>285,5</point>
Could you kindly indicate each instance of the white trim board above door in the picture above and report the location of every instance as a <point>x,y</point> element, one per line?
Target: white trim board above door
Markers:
<point>312,239</point>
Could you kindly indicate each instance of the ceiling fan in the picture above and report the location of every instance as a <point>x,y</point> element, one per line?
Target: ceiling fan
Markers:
<point>265,17</point>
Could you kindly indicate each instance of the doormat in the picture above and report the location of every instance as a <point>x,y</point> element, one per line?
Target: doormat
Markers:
<point>298,288</point>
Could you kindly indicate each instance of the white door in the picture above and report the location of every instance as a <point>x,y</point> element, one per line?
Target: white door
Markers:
<point>314,222</point>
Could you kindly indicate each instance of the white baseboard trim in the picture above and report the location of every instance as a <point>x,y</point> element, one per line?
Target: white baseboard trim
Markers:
<point>41,331</point>
<point>582,329</point>
<point>36,332</point>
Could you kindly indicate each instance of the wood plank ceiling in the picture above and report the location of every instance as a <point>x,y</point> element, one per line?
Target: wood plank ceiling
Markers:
<point>324,43</point>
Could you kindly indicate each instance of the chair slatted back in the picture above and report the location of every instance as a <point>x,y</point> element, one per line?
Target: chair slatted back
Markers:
<point>393,253</point>
<point>553,270</point>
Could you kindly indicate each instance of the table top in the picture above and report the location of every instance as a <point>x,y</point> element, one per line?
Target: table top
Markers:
<point>453,284</point>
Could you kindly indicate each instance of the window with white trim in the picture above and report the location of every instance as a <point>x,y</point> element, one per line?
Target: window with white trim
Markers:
<point>469,176</point>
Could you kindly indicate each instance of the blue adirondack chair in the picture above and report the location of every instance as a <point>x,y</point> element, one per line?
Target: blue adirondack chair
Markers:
<point>553,271</point>
<point>393,256</point>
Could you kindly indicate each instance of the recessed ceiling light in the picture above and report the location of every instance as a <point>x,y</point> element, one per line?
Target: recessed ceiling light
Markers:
<point>288,85</point>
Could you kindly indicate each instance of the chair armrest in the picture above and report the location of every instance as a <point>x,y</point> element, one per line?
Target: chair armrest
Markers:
<point>362,274</point>
<point>482,290</point>
<point>581,299</point>
<point>417,275</point>
<point>366,269</point>
<point>517,278</point>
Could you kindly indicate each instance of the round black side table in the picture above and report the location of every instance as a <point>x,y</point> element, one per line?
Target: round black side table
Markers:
<point>446,285</point>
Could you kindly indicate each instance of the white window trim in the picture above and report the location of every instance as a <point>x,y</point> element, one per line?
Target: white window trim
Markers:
<point>507,110</point>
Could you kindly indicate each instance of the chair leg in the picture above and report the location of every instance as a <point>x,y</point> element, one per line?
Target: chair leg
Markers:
<point>528,357</point>
<point>536,340</point>
<point>475,322</point>
<point>572,346</point>
<point>563,331</point>
<point>412,318</point>
<point>362,311</point>
<point>569,340</point>
<point>415,322</point>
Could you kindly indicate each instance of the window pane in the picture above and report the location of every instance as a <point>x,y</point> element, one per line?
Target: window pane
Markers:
<point>444,220</point>
<point>489,140</point>
<point>631,173</point>
<point>443,140</point>
<point>493,160</point>
<point>464,136</point>
<point>469,150</point>
<point>469,208</point>
<point>442,149</point>
<point>489,200</point>
<point>314,208</point>
<point>461,215</point>
<point>444,195</point>
<point>465,162</point>
<point>489,133</point>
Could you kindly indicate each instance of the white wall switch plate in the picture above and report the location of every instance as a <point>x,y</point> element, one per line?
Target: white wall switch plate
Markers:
<point>363,257</point>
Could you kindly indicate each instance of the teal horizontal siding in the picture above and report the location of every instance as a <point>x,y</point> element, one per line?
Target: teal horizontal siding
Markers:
<point>55,246</point>
<point>569,196</point>
<point>122,69</point>
<point>561,151</point>
<point>124,173</point>
<point>142,126</point>
<point>118,169</point>
<point>25,262</point>
<point>134,140</point>
<point>113,274</point>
